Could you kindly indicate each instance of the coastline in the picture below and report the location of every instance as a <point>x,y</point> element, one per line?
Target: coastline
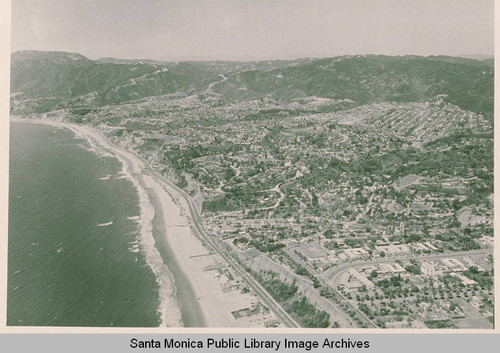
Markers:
<point>160,216</point>
<point>196,286</point>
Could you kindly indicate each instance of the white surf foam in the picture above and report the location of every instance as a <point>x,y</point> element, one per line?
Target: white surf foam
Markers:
<point>170,314</point>
<point>169,310</point>
<point>105,224</point>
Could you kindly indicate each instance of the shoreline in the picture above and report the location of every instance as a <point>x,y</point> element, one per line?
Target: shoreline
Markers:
<point>208,291</point>
<point>156,207</point>
<point>192,315</point>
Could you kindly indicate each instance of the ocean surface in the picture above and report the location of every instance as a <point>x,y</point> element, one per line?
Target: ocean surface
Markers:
<point>74,252</point>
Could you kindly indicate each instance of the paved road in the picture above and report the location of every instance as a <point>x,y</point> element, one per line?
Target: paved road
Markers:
<point>334,271</point>
<point>328,277</point>
<point>323,278</point>
<point>277,188</point>
<point>325,284</point>
<point>195,218</point>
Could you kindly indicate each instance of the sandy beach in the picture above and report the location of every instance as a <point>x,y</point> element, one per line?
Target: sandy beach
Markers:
<point>202,295</point>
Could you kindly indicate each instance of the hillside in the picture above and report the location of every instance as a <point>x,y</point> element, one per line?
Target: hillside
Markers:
<point>336,183</point>
<point>59,79</point>
<point>64,77</point>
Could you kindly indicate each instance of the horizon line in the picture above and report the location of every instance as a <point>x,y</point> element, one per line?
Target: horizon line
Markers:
<point>237,58</point>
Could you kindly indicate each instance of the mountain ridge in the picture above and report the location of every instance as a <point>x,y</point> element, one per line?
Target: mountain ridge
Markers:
<point>63,77</point>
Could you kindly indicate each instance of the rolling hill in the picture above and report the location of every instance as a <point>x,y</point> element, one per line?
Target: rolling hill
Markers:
<point>69,79</point>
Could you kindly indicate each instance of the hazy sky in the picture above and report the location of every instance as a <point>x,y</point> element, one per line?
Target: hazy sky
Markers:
<point>253,29</point>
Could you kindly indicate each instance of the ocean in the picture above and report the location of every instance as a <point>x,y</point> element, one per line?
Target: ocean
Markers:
<point>74,256</point>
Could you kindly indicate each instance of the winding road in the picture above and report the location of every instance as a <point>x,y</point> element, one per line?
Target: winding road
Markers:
<point>277,188</point>
<point>327,278</point>
<point>195,218</point>
<point>210,86</point>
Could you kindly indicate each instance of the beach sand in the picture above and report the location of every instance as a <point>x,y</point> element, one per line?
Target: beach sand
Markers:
<point>205,296</point>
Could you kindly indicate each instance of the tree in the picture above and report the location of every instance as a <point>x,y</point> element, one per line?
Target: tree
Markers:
<point>473,269</point>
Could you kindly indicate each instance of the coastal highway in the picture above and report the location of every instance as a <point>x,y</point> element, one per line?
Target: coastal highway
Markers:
<point>266,298</point>
<point>368,322</point>
<point>249,280</point>
<point>327,278</point>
